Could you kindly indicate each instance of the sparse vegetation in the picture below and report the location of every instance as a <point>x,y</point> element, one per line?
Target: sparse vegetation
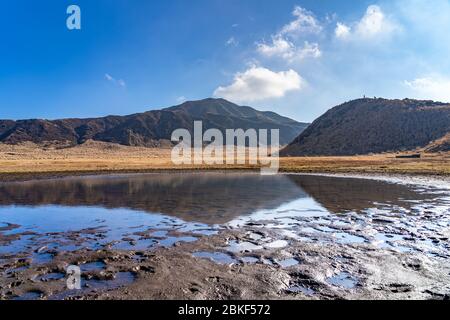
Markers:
<point>373,126</point>
<point>28,160</point>
<point>149,129</point>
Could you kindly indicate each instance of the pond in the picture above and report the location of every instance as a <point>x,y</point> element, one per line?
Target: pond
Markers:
<point>43,223</point>
<point>178,207</point>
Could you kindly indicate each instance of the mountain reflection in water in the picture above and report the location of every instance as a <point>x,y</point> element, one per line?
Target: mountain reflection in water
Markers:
<point>211,198</point>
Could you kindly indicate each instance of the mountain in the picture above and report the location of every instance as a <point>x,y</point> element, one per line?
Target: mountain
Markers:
<point>150,129</point>
<point>366,126</point>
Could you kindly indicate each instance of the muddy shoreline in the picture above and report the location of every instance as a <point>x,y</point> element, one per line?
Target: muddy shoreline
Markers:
<point>30,176</point>
<point>320,272</point>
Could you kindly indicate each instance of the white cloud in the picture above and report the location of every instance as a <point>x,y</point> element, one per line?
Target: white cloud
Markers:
<point>305,22</point>
<point>232,42</point>
<point>119,82</point>
<point>108,77</point>
<point>258,83</point>
<point>285,45</point>
<point>434,87</point>
<point>285,49</point>
<point>342,31</point>
<point>309,50</point>
<point>374,24</point>
<point>279,47</point>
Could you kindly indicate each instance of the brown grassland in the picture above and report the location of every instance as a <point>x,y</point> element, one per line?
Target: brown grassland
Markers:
<point>29,161</point>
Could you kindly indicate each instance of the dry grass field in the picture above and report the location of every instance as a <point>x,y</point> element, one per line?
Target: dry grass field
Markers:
<point>31,161</point>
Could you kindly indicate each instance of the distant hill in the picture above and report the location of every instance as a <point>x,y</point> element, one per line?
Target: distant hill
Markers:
<point>150,129</point>
<point>440,145</point>
<point>372,126</point>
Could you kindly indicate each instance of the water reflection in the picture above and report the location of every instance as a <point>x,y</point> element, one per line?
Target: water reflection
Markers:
<point>211,198</point>
<point>340,195</point>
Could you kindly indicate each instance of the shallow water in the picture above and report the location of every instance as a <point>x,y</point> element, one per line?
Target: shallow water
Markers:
<point>121,279</point>
<point>217,257</point>
<point>300,289</point>
<point>92,266</point>
<point>343,280</point>
<point>144,212</point>
<point>32,295</point>
<point>287,263</point>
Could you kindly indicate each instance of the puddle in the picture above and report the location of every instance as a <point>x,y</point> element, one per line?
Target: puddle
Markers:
<point>93,266</point>
<point>24,244</point>
<point>169,242</point>
<point>249,260</point>
<point>200,229</point>
<point>309,230</point>
<point>66,247</point>
<point>277,244</point>
<point>404,249</point>
<point>159,234</point>
<point>205,232</point>
<point>347,238</point>
<point>42,258</point>
<point>18,269</point>
<point>343,280</point>
<point>391,242</point>
<point>136,244</point>
<point>121,279</point>
<point>52,276</point>
<point>217,257</point>
<point>326,229</point>
<point>254,236</point>
<point>31,295</point>
<point>388,237</point>
<point>300,289</point>
<point>236,246</point>
<point>287,263</point>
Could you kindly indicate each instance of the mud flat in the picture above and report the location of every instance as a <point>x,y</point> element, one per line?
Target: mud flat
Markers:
<point>308,237</point>
<point>313,271</point>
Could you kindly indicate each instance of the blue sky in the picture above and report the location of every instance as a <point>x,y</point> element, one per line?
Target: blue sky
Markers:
<point>297,58</point>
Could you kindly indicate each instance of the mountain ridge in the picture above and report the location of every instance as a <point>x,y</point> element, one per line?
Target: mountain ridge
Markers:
<point>151,128</point>
<point>365,126</point>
